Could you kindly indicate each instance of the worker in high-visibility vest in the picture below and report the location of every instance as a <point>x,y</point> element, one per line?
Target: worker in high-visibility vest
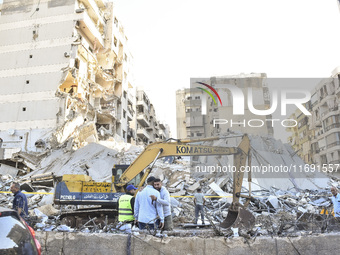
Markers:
<point>126,205</point>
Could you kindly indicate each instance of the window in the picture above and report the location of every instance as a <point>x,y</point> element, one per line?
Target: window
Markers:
<point>124,114</point>
<point>24,109</point>
<point>197,97</point>
<point>124,94</point>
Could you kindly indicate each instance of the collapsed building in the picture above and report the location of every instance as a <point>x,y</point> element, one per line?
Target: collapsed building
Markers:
<point>66,75</point>
<point>285,193</point>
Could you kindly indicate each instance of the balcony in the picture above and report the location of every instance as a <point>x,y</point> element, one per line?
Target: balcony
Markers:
<point>93,11</point>
<point>142,133</point>
<point>336,143</point>
<point>130,110</point>
<point>143,103</point>
<point>162,134</point>
<point>130,99</point>
<point>162,125</point>
<point>323,101</point>
<point>142,119</point>
<point>109,109</point>
<point>335,125</point>
<point>88,28</point>
<point>330,111</point>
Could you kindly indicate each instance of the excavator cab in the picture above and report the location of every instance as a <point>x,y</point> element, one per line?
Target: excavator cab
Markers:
<point>118,170</point>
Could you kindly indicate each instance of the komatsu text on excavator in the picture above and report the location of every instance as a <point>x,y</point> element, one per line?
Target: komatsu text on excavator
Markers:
<point>82,190</point>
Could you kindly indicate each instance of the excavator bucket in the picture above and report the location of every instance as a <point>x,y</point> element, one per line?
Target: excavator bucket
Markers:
<point>241,218</point>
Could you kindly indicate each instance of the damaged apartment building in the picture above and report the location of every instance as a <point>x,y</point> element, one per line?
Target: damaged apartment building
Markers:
<point>65,74</point>
<point>149,129</point>
<point>316,139</point>
<point>196,110</point>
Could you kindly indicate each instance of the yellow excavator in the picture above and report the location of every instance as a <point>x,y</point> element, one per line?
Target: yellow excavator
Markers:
<point>82,190</point>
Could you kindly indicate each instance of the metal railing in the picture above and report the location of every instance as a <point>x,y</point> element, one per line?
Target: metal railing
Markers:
<point>334,125</point>
<point>333,144</point>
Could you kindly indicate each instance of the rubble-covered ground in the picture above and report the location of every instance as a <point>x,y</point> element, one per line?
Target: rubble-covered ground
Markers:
<point>288,205</point>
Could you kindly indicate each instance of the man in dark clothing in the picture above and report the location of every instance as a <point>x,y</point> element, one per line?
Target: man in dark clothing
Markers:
<point>20,200</point>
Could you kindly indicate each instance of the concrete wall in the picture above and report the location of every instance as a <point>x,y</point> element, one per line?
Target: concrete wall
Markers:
<point>79,243</point>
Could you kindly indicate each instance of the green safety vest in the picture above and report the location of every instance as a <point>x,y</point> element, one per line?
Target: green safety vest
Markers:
<point>124,209</point>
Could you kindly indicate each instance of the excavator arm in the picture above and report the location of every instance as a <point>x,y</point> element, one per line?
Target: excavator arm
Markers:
<point>158,150</point>
<point>238,216</point>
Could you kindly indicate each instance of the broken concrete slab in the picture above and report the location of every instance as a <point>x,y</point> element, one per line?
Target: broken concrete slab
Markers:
<point>274,202</point>
<point>179,193</point>
<point>193,187</point>
<point>220,192</point>
<point>6,169</point>
<point>48,210</point>
<point>175,184</point>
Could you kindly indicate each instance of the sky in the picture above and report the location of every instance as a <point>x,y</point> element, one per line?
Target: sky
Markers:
<point>172,41</point>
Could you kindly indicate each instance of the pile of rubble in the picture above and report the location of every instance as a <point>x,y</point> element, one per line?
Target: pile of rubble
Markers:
<point>282,206</point>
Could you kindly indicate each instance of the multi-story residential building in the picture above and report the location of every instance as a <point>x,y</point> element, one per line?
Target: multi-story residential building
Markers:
<point>149,129</point>
<point>65,75</point>
<point>191,103</point>
<point>318,142</point>
<point>325,121</point>
<point>300,137</point>
<point>190,121</point>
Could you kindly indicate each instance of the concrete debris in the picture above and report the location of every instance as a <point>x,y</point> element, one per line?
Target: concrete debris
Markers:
<point>220,192</point>
<point>48,210</point>
<point>280,206</point>
<point>193,187</point>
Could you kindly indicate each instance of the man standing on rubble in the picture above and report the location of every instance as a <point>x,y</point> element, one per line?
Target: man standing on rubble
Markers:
<point>146,210</point>
<point>164,200</point>
<point>199,202</point>
<point>126,205</point>
<point>336,202</point>
<point>19,201</point>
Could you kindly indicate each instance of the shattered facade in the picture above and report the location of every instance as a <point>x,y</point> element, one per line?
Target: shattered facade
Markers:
<point>192,123</point>
<point>318,137</point>
<point>65,74</point>
<point>149,129</point>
